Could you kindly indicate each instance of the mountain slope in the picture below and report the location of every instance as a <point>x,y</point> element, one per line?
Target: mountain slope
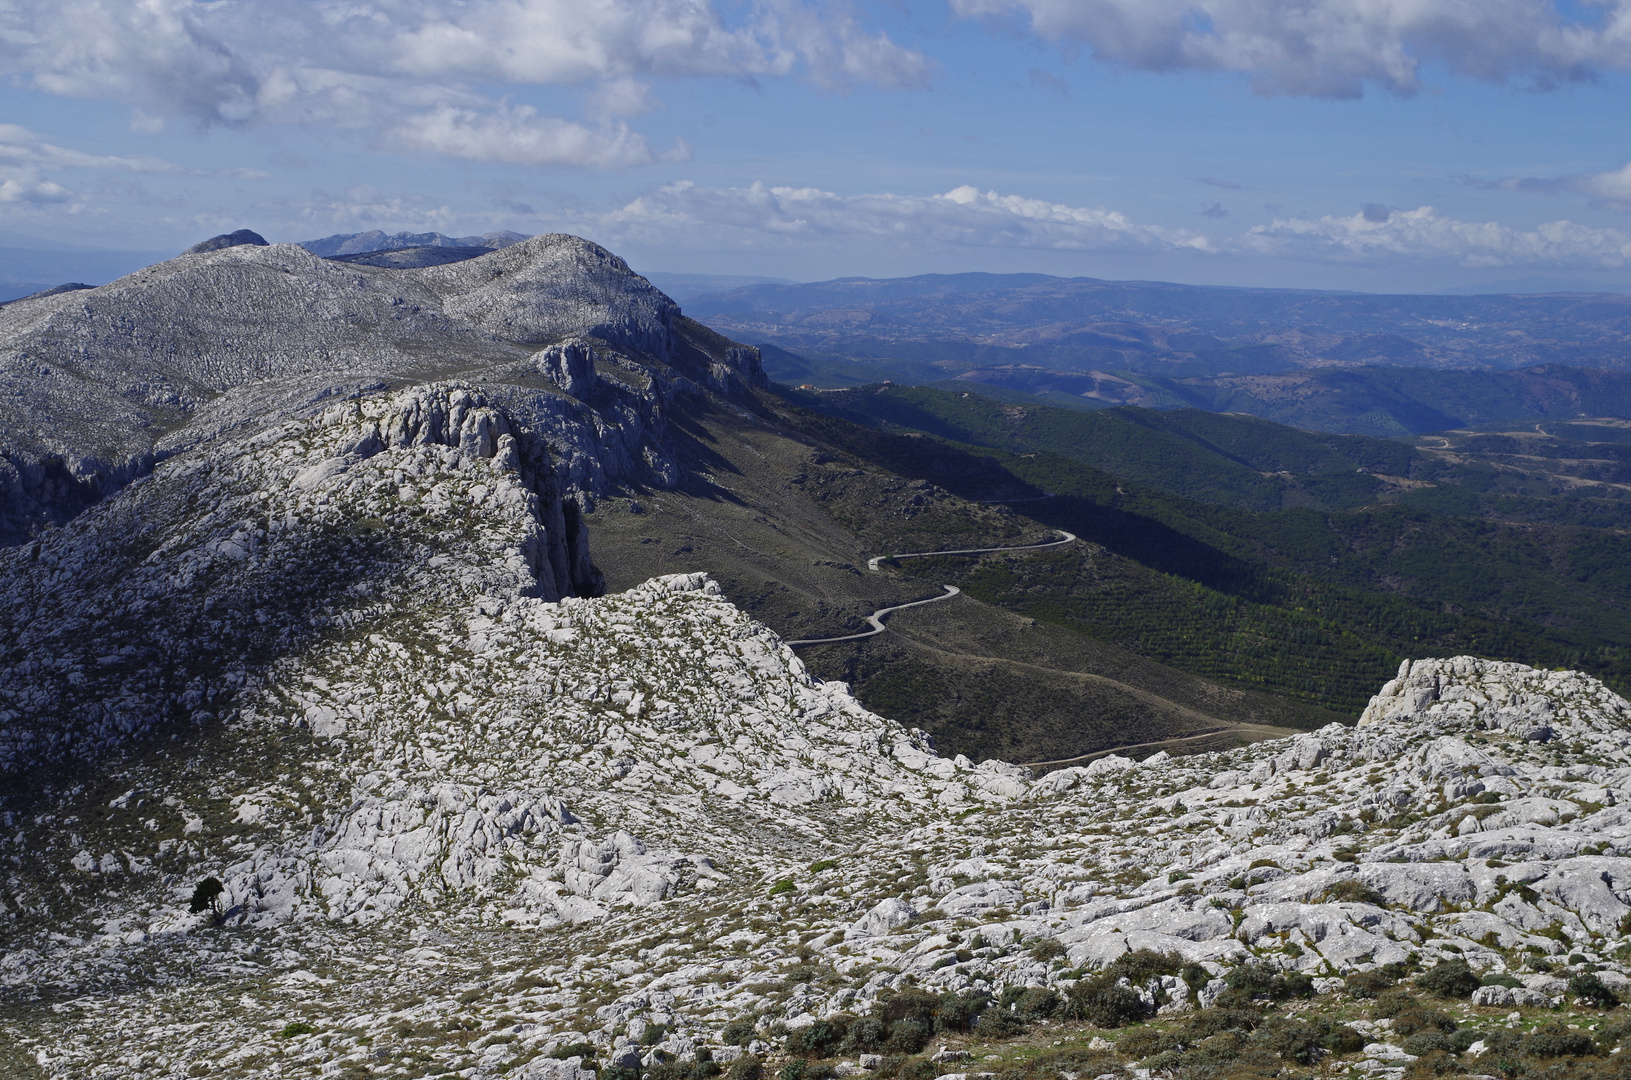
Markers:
<point>325,751</point>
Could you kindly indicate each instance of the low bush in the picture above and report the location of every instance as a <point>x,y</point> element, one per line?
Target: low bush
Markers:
<point>1249,982</point>
<point>1418,1017</point>
<point>738,1032</point>
<point>1555,1040</point>
<point>1340,1038</point>
<point>1350,890</point>
<point>1390,1003</point>
<point>999,1024</point>
<point>1037,1003</point>
<point>1103,1002</point>
<point>1588,986</point>
<point>1142,965</point>
<point>1045,949</point>
<point>1449,979</point>
<point>918,1069</point>
<point>1210,1022</point>
<point>746,1067</point>
<point>817,1040</point>
<point>585,1050</point>
<point>1147,1042</point>
<point>866,1035</point>
<point>1291,1040</point>
<point>1367,984</point>
<point>958,1012</point>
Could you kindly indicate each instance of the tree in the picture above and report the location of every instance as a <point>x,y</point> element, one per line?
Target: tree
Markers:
<point>207,897</point>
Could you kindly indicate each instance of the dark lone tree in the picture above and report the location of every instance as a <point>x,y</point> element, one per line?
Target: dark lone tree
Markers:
<point>207,897</point>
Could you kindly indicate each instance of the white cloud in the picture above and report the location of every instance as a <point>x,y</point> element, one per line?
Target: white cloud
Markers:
<point>407,63</point>
<point>364,206</point>
<point>1333,48</point>
<point>20,146</point>
<point>1376,234</point>
<point>1610,189</point>
<point>967,218</point>
<point>519,135</point>
<point>26,187</point>
<point>964,217</point>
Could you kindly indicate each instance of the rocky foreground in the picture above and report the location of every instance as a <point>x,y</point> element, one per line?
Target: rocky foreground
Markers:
<point>533,838</point>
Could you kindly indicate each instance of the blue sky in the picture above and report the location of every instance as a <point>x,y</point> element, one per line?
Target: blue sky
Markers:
<point>1366,144</point>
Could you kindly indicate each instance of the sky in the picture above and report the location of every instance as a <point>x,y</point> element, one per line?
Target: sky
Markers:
<point>1376,145</point>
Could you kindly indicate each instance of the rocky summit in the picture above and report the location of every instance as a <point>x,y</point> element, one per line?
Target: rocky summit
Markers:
<point>326,753</point>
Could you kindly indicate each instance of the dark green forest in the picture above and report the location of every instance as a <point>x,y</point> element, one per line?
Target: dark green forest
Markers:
<point>1270,558</point>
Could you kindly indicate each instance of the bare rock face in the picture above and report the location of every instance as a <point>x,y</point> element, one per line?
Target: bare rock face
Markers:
<point>1467,693</point>
<point>101,384</point>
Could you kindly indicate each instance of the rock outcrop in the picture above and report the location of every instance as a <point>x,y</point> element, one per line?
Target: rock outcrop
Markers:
<point>102,383</point>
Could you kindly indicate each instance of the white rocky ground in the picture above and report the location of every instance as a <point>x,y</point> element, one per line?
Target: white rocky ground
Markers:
<point>491,825</point>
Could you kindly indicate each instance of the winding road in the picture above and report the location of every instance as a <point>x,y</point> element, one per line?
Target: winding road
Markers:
<point>877,617</point>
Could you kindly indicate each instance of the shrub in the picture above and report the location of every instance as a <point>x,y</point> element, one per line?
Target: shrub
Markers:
<point>1502,979</point>
<point>1425,1042</point>
<point>824,864</point>
<point>1392,1002</point>
<point>1417,1017</point>
<point>1037,1003</point>
<point>1555,1040</point>
<point>793,1070</point>
<point>1209,1022</point>
<point>908,1036</point>
<point>1367,984</point>
<point>1449,979</point>
<point>784,885</point>
<point>679,1070</point>
<point>1350,890</point>
<point>738,1032</point>
<point>1292,1040</point>
<point>1045,949</point>
<point>1611,1034</point>
<point>999,1024</point>
<point>1340,1038</point>
<point>1141,965</point>
<point>867,1034</point>
<point>577,1049</point>
<point>958,1012</point>
<point>746,1067</point>
<point>1144,1043</point>
<point>298,1027</point>
<point>1587,985</point>
<point>818,1040</point>
<point>1103,1002</point>
<point>654,1034</point>
<point>1249,981</point>
<point>918,1069</point>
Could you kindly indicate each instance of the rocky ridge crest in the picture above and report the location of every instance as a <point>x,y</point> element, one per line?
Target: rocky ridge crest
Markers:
<point>101,384</point>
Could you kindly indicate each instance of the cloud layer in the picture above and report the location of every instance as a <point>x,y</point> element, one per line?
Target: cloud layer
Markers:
<point>1333,48</point>
<point>966,218</point>
<point>963,217</point>
<point>406,65</point>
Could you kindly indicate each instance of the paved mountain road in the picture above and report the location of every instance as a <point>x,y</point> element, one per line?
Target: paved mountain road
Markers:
<point>877,617</point>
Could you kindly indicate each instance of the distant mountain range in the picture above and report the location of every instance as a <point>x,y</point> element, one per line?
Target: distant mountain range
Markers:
<point>362,243</point>
<point>942,325</point>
